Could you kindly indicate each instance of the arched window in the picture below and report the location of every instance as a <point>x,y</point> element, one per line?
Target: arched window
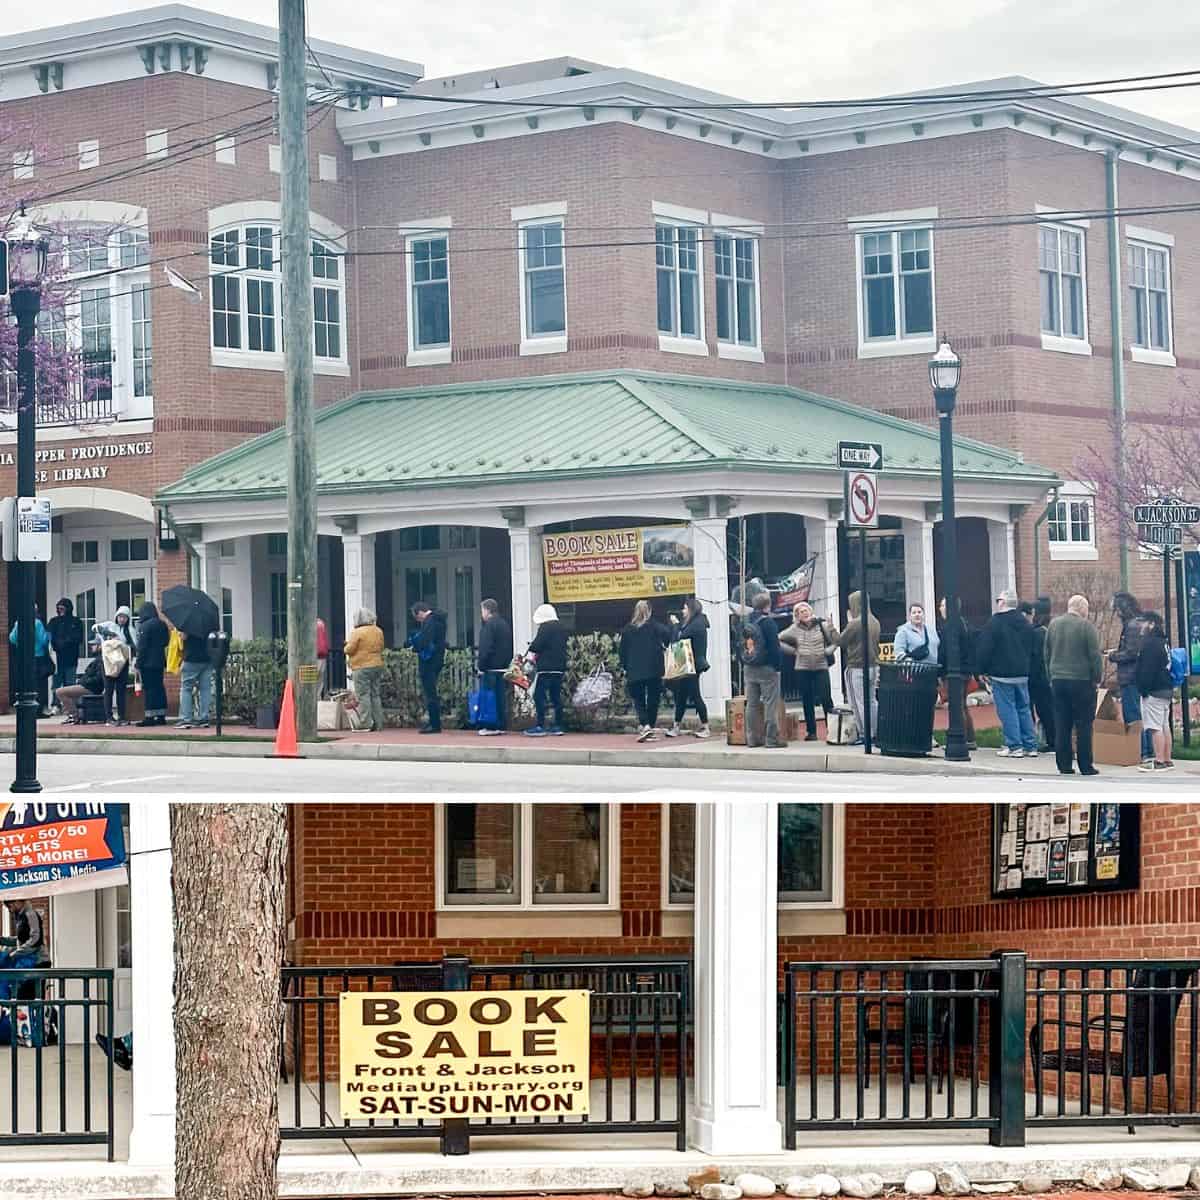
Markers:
<point>247,298</point>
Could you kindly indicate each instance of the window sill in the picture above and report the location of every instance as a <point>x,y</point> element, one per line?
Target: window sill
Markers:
<point>547,345</point>
<point>669,344</point>
<point>1064,345</point>
<point>1154,358</point>
<point>435,356</point>
<point>526,923</point>
<point>1069,553</point>
<point>897,349</point>
<point>740,353</point>
<point>249,361</point>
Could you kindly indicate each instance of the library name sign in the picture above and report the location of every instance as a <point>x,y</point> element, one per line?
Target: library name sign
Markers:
<point>464,1054</point>
<point>76,464</point>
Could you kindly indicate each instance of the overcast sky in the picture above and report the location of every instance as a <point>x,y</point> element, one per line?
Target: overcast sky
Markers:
<point>767,49</point>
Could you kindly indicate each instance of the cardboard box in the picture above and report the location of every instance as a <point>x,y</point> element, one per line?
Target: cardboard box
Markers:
<point>1115,744</point>
<point>735,722</point>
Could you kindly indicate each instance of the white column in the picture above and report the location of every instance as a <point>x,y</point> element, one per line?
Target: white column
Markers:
<point>358,572</point>
<point>1002,556</point>
<point>825,597</point>
<point>241,583</point>
<point>75,942</point>
<point>152,946</point>
<point>528,581</point>
<point>918,566</point>
<point>210,568</point>
<point>712,588</point>
<point>735,973</point>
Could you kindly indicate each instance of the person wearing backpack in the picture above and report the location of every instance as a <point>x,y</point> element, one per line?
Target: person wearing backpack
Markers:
<point>855,656</point>
<point>762,657</point>
<point>642,644</point>
<point>1156,687</point>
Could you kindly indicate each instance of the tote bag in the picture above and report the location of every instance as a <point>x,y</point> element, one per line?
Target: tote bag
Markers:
<point>679,661</point>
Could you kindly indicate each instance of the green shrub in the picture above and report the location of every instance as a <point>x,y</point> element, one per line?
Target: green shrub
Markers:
<point>254,677</point>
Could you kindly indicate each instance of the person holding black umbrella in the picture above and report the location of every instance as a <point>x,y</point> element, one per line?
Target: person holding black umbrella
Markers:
<point>195,615</point>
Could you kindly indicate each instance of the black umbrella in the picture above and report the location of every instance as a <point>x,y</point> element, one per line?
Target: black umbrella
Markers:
<point>191,611</point>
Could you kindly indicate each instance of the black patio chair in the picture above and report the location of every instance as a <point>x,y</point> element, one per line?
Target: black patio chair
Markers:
<point>1140,1043</point>
<point>927,1017</point>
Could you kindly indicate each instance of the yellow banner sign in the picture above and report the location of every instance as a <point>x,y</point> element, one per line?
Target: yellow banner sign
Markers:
<point>464,1054</point>
<point>614,564</point>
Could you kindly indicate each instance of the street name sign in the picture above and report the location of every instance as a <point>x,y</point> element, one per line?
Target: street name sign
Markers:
<point>862,500</point>
<point>1160,535</point>
<point>1167,512</point>
<point>860,455</point>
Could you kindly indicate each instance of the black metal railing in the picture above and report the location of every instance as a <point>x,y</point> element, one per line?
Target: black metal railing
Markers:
<point>84,398</point>
<point>898,1045</point>
<point>56,1093</point>
<point>639,1035</point>
<point>1114,1042</point>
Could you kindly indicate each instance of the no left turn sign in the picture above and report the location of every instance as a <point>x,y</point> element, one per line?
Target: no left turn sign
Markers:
<point>862,500</point>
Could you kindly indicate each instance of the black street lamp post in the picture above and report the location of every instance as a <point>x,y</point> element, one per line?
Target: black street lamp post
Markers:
<point>945,369</point>
<point>27,269</point>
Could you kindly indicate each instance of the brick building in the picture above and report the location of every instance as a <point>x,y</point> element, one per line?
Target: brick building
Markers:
<point>572,222</point>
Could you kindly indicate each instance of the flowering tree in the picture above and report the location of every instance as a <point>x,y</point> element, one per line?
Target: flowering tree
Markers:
<point>1161,460</point>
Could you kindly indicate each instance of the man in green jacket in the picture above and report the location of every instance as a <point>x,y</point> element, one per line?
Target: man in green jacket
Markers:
<point>1075,668</point>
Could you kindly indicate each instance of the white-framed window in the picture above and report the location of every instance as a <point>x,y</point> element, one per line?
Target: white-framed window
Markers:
<point>1071,524</point>
<point>327,168</point>
<point>679,288</point>
<point>543,285</point>
<point>89,154</point>
<point>528,856</point>
<point>428,257</point>
<point>274,158</point>
<point>226,151</point>
<point>1150,298</point>
<point>810,864</point>
<point>739,304</point>
<point>247,300</point>
<point>1062,286</point>
<point>156,143</point>
<point>895,291</point>
<point>22,161</point>
<point>105,321</point>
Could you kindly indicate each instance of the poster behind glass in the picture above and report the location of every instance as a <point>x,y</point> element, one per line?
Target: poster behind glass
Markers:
<point>1064,848</point>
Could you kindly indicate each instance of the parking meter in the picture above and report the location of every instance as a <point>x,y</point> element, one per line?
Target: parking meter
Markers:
<point>218,651</point>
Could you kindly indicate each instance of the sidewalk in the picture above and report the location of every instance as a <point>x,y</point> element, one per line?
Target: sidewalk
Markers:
<point>574,749</point>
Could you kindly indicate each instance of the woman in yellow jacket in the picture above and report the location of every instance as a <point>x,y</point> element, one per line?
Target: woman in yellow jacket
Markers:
<point>364,654</point>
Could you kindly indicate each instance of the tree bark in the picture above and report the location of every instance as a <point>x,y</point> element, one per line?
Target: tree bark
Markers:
<point>229,882</point>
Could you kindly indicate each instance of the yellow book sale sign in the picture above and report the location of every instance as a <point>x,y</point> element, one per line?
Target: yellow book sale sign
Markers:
<point>464,1054</point>
<point>614,564</point>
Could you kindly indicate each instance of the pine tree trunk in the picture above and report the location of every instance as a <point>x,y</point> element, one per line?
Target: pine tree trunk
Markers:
<point>229,882</point>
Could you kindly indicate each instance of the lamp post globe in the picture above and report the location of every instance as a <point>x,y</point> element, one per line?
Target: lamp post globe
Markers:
<point>945,372</point>
<point>28,255</point>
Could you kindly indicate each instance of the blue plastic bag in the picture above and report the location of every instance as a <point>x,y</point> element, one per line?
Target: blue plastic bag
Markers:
<point>481,706</point>
<point>1179,666</point>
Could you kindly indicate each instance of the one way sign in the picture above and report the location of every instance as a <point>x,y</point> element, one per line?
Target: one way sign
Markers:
<point>860,455</point>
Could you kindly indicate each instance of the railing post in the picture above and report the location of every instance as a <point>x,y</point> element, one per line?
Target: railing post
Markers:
<point>1006,1067</point>
<point>456,1131</point>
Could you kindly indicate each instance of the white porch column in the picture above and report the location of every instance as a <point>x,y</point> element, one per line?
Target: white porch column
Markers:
<point>712,588</point>
<point>210,567</point>
<point>358,573</point>
<point>528,579</point>
<point>240,581</point>
<point>918,566</point>
<point>1002,556</point>
<point>735,977</point>
<point>152,1134</point>
<point>822,540</point>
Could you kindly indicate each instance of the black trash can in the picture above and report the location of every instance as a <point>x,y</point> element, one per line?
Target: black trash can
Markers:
<point>907,697</point>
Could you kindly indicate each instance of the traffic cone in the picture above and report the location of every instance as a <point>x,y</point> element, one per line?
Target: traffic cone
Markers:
<point>285,739</point>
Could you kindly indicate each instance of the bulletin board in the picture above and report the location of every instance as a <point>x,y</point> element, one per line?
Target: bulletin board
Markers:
<point>1064,848</point>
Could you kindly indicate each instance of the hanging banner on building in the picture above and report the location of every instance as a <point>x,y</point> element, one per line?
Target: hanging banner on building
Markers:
<point>615,564</point>
<point>50,849</point>
<point>464,1054</point>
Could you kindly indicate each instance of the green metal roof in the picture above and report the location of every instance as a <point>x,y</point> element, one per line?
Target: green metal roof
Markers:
<point>563,426</point>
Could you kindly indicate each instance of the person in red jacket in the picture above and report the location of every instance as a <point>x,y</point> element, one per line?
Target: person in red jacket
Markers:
<point>323,656</point>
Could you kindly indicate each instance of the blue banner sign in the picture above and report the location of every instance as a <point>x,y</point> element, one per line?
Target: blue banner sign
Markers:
<point>50,848</point>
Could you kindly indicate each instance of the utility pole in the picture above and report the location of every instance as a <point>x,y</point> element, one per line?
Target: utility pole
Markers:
<point>298,366</point>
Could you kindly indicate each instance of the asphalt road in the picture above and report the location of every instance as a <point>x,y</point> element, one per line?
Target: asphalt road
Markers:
<point>128,775</point>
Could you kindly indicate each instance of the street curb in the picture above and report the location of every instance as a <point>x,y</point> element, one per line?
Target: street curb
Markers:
<point>536,755</point>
